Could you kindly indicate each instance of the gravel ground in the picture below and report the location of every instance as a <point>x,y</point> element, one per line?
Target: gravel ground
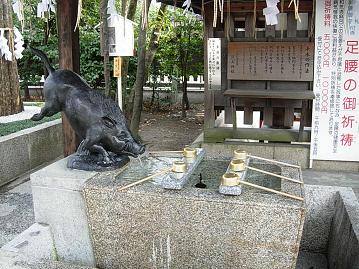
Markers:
<point>168,130</point>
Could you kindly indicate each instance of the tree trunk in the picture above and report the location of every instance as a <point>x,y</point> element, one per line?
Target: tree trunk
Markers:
<point>106,57</point>
<point>26,93</point>
<point>185,101</point>
<point>10,101</point>
<point>184,95</point>
<point>184,64</point>
<point>155,36</point>
<point>140,78</point>
<point>152,49</point>
<point>125,61</point>
<point>186,70</point>
<point>153,94</point>
<point>69,58</point>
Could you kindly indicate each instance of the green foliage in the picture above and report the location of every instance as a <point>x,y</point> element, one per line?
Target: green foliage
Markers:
<point>40,34</point>
<point>181,34</point>
<point>12,127</point>
<point>91,61</point>
<point>181,45</point>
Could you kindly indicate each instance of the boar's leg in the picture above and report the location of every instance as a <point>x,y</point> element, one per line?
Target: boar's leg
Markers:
<point>90,144</point>
<point>46,111</point>
<point>99,149</point>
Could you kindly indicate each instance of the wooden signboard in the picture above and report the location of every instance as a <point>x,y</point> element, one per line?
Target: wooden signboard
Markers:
<point>117,67</point>
<point>214,63</point>
<point>292,61</point>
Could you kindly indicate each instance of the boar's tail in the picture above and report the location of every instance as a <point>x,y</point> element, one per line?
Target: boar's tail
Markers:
<point>44,58</point>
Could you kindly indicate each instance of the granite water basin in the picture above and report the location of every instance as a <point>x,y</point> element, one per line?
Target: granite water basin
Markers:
<point>148,226</point>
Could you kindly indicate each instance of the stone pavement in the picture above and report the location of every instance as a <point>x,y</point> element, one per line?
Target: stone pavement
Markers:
<point>339,179</point>
<point>16,210</point>
<point>10,260</point>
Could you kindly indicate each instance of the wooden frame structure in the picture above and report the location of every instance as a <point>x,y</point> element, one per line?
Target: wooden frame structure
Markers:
<point>277,99</point>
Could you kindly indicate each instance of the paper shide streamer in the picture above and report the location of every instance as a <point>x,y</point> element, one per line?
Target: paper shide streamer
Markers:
<point>111,8</point>
<point>11,39</point>
<point>44,7</point>
<point>19,44</point>
<point>187,5</point>
<point>18,8</point>
<point>5,44</point>
<point>271,12</point>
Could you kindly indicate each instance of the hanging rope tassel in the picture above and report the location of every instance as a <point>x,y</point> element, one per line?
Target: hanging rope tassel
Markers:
<point>282,19</point>
<point>215,12</point>
<point>312,23</point>
<point>296,9</point>
<point>79,10</point>
<point>202,9</point>
<point>222,11</point>
<point>255,19</point>
<point>144,14</point>
<point>228,19</point>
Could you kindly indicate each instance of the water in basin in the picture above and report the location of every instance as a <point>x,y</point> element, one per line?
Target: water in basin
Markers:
<point>212,171</point>
<point>148,165</point>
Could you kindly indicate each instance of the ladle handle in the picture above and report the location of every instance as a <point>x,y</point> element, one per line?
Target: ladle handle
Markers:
<point>275,175</point>
<point>145,179</point>
<point>271,190</point>
<point>274,161</point>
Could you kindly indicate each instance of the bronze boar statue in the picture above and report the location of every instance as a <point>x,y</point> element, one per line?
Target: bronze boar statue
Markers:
<point>96,119</point>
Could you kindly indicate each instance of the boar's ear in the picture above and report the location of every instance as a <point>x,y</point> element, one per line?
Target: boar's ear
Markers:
<point>110,123</point>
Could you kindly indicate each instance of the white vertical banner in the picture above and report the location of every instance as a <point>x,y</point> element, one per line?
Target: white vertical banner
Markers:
<point>335,127</point>
<point>214,63</point>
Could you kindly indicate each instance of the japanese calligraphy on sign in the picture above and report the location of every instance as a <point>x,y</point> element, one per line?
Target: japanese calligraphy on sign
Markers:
<point>214,64</point>
<point>335,128</point>
<point>270,61</point>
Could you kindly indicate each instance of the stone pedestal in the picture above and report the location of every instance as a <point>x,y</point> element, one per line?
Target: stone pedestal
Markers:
<point>58,202</point>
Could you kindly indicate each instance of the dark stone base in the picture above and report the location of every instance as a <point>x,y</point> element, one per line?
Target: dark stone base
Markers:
<point>95,162</point>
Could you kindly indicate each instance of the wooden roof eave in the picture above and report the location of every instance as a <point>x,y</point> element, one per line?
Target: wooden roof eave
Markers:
<point>238,6</point>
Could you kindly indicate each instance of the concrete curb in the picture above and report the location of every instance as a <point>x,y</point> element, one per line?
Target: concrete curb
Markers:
<point>24,150</point>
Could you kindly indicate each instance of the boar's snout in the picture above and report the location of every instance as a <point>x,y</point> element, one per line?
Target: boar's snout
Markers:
<point>138,149</point>
<point>134,148</point>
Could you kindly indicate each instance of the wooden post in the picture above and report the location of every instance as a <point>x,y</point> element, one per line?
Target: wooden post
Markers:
<point>69,59</point>
<point>117,66</point>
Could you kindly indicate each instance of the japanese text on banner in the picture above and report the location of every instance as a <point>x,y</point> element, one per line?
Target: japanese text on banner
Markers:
<point>335,130</point>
